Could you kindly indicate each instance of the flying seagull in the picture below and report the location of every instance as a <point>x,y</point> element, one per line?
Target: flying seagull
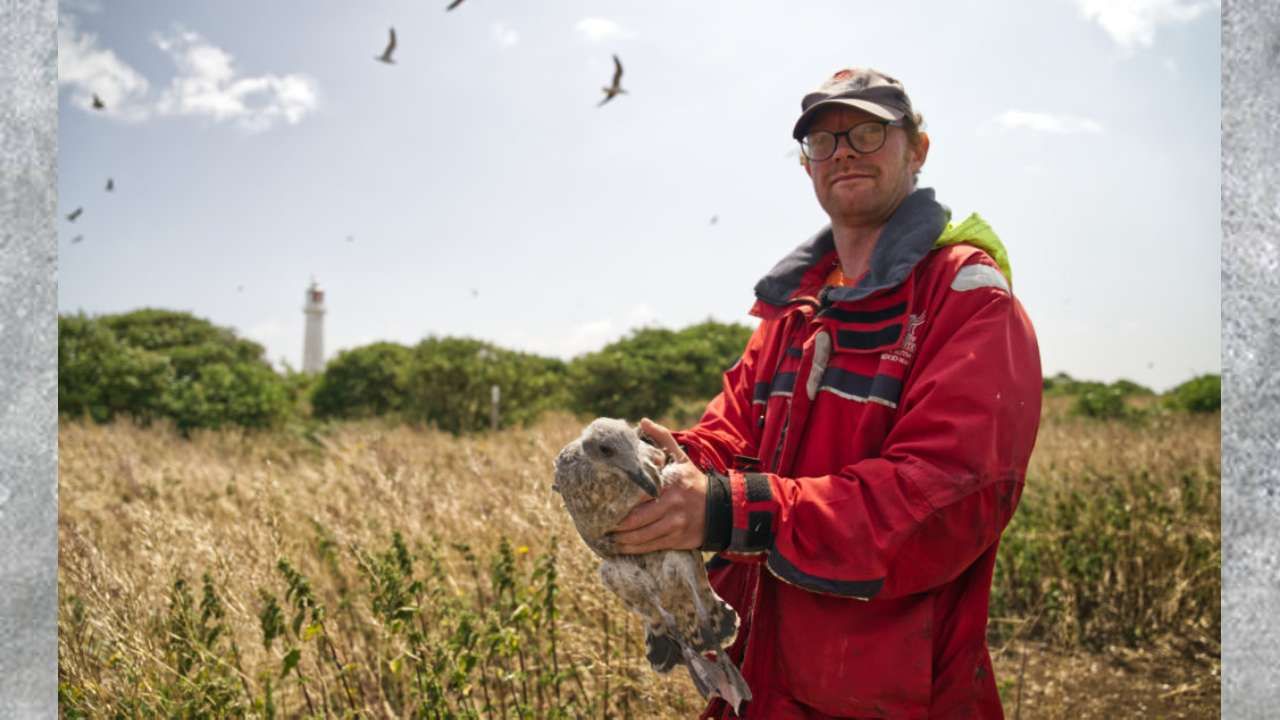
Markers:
<point>391,46</point>
<point>77,238</point>
<point>454,4</point>
<point>600,476</point>
<point>75,214</point>
<point>111,185</point>
<point>97,102</point>
<point>616,87</point>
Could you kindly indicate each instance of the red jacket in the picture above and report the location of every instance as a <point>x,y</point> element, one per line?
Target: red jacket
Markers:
<point>875,440</point>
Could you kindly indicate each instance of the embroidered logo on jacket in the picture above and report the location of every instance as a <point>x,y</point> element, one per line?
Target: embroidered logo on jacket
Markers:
<point>906,351</point>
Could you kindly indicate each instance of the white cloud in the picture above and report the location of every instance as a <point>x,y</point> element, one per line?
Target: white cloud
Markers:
<point>88,70</point>
<point>582,338</point>
<point>597,29</point>
<point>1044,122</point>
<point>1132,23</point>
<point>207,85</point>
<point>503,35</point>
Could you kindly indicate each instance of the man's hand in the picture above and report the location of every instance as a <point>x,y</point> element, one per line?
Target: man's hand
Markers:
<point>676,519</point>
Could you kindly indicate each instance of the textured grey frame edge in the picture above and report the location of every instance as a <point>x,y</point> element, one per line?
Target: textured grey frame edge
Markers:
<point>1251,355</point>
<point>28,360</point>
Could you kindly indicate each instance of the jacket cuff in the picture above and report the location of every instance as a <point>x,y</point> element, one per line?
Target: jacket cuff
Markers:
<point>719,522</point>
<point>754,512</point>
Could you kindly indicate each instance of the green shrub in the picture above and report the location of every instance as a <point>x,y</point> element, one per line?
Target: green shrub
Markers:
<point>100,377</point>
<point>630,378</point>
<point>1130,388</point>
<point>153,363</point>
<point>244,394</point>
<point>1102,403</point>
<point>449,380</point>
<point>188,341</point>
<point>363,382</point>
<point>653,369</point>
<point>1200,394</point>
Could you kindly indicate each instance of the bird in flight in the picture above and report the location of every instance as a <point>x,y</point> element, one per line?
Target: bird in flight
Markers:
<point>715,219</point>
<point>75,214</point>
<point>391,46</point>
<point>97,102</point>
<point>454,4</point>
<point>616,87</point>
<point>111,185</point>
<point>77,238</point>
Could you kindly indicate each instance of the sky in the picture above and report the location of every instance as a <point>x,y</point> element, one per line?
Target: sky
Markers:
<point>476,188</point>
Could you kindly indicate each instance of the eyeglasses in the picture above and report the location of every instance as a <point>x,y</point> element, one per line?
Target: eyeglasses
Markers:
<point>864,138</point>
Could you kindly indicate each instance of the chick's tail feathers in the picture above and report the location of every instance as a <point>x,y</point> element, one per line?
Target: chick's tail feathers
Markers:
<point>717,678</point>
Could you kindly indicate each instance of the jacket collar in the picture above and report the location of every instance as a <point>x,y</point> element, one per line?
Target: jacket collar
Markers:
<point>908,236</point>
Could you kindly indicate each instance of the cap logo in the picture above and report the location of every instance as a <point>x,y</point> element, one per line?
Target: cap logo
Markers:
<point>842,75</point>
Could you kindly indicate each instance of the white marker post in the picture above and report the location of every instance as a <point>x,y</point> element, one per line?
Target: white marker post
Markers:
<point>494,393</point>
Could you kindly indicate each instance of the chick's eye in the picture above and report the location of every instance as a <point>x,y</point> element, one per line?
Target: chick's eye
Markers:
<point>606,450</point>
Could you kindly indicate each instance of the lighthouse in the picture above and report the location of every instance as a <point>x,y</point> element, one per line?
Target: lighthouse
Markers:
<point>313,340</point>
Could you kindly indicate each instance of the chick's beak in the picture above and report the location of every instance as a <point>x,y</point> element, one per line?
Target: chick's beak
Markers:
<point>641,478</point>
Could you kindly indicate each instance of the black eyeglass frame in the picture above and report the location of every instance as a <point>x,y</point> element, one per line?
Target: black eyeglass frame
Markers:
<point>848,139</point>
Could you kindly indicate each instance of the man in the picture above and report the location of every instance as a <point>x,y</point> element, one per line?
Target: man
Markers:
<point>870,446</point>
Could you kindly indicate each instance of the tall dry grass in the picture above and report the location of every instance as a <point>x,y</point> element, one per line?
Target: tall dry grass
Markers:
<point>409,569</point>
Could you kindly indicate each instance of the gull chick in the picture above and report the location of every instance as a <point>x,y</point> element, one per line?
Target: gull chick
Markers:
<point>601,476</point>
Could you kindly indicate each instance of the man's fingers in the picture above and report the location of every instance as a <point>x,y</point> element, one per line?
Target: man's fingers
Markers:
<point>663,438</point>
<point>642,539</point>
<point>646,513</point>
<point>650,546</point>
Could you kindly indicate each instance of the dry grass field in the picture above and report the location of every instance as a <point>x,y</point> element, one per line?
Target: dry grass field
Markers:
<point>391,572</point>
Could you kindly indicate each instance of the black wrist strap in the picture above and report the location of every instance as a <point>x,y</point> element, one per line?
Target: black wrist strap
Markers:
<point>719,523</point>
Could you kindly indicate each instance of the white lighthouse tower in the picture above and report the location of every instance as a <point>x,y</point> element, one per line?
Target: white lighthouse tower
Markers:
<point>313,341</point>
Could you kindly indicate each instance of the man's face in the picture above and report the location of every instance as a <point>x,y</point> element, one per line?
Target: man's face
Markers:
<point>862,189</point>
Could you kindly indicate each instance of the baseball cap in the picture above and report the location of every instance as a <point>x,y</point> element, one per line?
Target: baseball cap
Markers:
<point>862,88</point>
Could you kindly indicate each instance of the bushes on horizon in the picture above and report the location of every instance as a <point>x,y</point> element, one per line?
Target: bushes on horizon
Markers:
<point>448,384</point>
<point>250,395</point>
<point>1100,403</point>
<point>647,372</point>
<point>1199,394</point>
<point>630,378</point>
<point>150,363</point>
<point>1064,384</point>
<point>101,377</point>
<point>362,382</point>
